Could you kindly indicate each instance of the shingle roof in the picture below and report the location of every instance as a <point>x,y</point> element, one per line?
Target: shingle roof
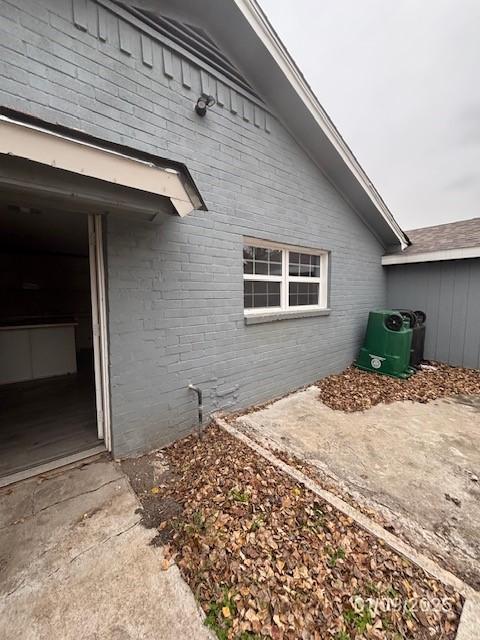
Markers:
<point>453,235</point>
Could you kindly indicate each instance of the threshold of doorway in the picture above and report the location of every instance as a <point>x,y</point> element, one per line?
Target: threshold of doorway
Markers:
<point>51,465</point>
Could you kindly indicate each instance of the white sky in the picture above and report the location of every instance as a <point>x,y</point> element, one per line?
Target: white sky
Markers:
<point>401,81</point>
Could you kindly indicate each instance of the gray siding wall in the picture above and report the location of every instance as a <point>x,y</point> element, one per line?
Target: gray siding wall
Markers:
<point>449,293</point>
<point>176,290</point>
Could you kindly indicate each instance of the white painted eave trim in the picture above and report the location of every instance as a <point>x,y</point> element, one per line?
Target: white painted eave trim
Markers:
<point>432,256</point>
<point>256,18</point>
<point>48,148</point>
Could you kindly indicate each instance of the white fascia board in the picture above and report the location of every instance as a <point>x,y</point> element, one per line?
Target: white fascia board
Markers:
<point>432,256</point>
<point>255,17</point>
<point>46,147</point>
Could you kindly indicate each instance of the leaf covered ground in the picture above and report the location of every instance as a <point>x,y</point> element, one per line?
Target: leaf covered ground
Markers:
<point>356,390</point>
<point>266,558</point>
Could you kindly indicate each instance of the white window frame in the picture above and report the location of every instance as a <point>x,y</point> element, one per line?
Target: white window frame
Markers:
<point>285,278</point>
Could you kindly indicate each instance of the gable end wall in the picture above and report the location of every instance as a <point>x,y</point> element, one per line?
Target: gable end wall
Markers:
<point>175,291</point>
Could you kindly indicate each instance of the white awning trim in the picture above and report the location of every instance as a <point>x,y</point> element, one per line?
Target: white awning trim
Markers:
<point>49,148</point>
<point>431,256</point>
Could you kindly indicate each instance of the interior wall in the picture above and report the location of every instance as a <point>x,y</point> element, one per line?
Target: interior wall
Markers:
<point>46,287</point>
<point>44,268</point>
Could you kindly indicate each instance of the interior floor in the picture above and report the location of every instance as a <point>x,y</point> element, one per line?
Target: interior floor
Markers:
<point>43,420</point>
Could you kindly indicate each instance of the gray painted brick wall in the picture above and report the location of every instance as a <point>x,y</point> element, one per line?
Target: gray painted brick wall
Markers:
<point>175,291</point>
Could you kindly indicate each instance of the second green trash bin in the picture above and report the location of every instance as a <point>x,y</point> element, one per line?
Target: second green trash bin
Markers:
<point>386,348</point>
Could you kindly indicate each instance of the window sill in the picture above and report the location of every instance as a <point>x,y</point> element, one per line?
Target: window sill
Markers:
<point>284,315</point>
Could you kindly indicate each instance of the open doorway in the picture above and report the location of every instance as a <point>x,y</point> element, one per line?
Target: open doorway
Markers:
<point>52,394</point>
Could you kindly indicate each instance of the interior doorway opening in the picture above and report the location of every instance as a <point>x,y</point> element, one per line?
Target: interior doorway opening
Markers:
<point>53,367</point>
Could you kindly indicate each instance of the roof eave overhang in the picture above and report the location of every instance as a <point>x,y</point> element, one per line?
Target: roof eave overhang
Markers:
<point>305,117</point>
<point>431,256</point>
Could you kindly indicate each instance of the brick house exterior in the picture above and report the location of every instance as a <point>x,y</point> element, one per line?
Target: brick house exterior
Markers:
<point>175,290</point>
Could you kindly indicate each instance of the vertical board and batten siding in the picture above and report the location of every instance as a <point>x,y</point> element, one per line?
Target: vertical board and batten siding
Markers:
<point>175,291</point>
<point>449,293</point>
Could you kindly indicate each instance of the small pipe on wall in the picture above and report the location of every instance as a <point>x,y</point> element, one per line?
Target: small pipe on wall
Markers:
<point>198,391</point>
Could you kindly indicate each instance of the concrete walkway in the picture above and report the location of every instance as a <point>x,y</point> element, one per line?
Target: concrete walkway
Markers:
<point>417,464</point>
<point>76,563</point>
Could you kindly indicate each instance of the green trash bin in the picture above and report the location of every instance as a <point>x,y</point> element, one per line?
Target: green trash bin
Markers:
<point>386,348</point>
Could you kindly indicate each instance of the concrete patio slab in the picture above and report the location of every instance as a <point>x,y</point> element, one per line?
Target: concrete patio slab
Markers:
<point>417,464</point>
<point>76,563</point>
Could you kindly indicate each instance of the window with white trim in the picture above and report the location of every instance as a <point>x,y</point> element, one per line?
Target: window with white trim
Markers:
<point>283,278</point>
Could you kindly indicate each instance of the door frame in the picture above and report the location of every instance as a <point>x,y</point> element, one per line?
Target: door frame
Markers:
<point>99,327</point>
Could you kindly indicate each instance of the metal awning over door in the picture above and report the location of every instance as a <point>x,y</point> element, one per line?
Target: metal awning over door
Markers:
<point>81,172</point>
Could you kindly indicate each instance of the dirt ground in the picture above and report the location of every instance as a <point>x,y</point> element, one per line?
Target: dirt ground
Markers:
<point>266,558</point>
<point>149,475</point>
<point>417,465</point>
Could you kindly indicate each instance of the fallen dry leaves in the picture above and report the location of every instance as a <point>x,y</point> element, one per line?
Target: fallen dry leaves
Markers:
<point>356,390</point>
<point>266,558</point>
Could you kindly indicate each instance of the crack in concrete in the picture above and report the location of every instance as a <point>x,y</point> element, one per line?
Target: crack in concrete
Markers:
<point>101,542</point>
<point>71,560</point>
<point>78,495</point>
<point>53,504</point>
<point>22,584</point>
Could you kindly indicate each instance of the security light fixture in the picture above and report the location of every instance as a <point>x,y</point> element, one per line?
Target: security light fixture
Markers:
<point>204,103</point>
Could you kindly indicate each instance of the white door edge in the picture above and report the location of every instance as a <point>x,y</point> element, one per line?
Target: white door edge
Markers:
<point>99,327</point>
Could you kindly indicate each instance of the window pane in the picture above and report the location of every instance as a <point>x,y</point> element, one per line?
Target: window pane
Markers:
<point>262,261</point>
<point>261,268</point>
<point>273,294</point>
<point>260,294</point>
<point>274,300</point>
<point>275,255</point>
<point>303,294</point>
<point>248,253</point>
<point>260,287</point>
<point>305,265</point>
<point>261,254</point>
<point>275,262</point>
<point>260,300</point>
<point>293,294</point>
<point>247,302</point>
<point>248,294</point>
<point>293,263</point>
<point>275,268</point>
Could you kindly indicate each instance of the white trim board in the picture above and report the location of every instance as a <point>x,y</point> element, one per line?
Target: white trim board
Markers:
<point>432,256</point>
<point>100,330</point>
<point>52,149</point>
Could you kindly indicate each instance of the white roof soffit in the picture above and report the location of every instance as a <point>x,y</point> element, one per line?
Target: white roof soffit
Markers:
<point>431,256</point>
<point>56,150</point>
<point>375,208</point>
